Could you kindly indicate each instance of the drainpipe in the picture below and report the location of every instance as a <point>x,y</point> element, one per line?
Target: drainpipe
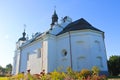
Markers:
<point>42,55</point>
<point>70,51</point>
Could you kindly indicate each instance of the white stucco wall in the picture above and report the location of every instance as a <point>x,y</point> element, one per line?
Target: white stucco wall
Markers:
<point>99,52</point>
<point>29,49</point>
<point>85,52</point>
<point>16,62</point>
<point>52,56</point>
<point>63,44</point>
<point>34,64</point>
<point>45,55</point>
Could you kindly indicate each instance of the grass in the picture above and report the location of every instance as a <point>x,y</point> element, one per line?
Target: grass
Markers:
<point>115,77</point>
<point>3,78</point>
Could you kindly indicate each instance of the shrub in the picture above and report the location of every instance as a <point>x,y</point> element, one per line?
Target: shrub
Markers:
<point>57,75</point>
<point>85,73</point>
<point>70,73</point>
<point>95,70</point>
<point>96,77</point>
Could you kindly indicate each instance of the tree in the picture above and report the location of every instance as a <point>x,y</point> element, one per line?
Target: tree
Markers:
<point>8,68</point>
<point>6,71</point>
<point>114,65</point>
<point>2,71</point>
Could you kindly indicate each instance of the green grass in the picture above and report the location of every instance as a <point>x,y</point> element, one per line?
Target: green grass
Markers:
<point>115,77</point>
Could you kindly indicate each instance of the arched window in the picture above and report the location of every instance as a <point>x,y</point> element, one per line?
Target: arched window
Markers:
<point>97,43</point>
<point>99,60</point>
<point>81,60</point>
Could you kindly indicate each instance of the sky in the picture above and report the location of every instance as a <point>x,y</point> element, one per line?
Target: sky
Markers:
<point>36,14</point>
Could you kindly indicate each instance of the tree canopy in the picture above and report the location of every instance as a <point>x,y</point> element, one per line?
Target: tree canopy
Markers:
<point>114,65</point>
<point>5,71</point>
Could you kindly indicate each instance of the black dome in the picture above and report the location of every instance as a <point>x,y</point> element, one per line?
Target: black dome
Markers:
<point>22,39</point>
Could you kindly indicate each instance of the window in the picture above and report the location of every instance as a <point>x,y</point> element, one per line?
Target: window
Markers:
<point>99,60</point>
<point>97,44</point>
<point>81,62</point>
<point>64,52</point>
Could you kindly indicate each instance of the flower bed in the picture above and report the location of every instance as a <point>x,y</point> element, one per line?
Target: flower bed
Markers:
<point>84,74</point>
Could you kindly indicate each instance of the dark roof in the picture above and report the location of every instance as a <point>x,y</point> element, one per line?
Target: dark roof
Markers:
<point>80,24</point>
<point>22,39</point>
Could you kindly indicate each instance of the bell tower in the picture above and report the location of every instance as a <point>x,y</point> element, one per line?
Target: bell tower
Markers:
<point>54,18</point>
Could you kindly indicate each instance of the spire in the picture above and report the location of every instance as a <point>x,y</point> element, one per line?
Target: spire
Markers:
<point>24,31</point>
<point>54,17</point>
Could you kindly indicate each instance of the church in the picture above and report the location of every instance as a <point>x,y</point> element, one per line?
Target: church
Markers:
<point>76,44</point>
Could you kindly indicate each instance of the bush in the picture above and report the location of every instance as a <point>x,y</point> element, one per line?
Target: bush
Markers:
<point>95,70</point>
<point>85,74</point>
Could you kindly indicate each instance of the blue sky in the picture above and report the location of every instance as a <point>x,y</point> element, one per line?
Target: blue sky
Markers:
<point>36,14</point>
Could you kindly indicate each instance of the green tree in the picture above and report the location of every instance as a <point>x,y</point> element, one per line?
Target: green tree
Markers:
<point>114,65</point>
<point>2,71</point>
<point>8,69</point>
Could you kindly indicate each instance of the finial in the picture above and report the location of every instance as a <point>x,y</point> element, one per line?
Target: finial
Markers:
<point>54,8</point>
<point>24,31</point>
<point>24,27</point>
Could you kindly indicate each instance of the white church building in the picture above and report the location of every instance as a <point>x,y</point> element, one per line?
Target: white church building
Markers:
<point>76,44</point>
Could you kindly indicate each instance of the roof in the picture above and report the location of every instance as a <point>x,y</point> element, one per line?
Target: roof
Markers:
<point>22,39</point>
<point>80,24</point>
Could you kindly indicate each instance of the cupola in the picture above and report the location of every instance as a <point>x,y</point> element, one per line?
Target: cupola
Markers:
<point>54,18</point>
<point>23,37</point>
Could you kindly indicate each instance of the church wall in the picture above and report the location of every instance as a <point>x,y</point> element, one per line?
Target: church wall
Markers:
<point>91,50</point>
<point>16,62</point>
<point>63,52</point>
<point>99,52</point>
<point>25,51</point>
<point>81,50</point>
<point>34,64</point>
<point>14,65</point>
<point>52,56</point>
<point>84,48</point>
<point>44,55</point>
